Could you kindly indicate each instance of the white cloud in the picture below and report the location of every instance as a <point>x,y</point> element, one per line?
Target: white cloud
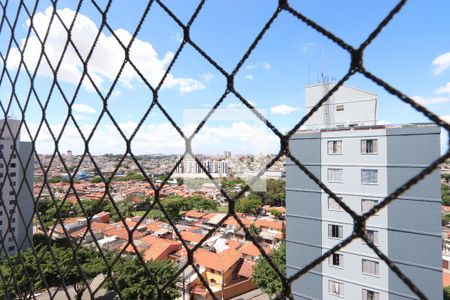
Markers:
<point>116,93</point>
<point>265,65</point>
<point>207,76</point>
<point>308,47</point>
<point>83,108</point>
<point>282,109</point>
<point>430,100</point>
<point>239,137</point>
<point>441,63</point>
<point>444,89</point>
<point>249,76</point>
<point>106,59</point>
<point>240,105</point>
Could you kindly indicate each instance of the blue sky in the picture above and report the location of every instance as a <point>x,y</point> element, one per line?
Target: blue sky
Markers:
<point>412,54</point>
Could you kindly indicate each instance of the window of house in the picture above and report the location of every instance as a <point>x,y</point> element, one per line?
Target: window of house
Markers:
<point>370,295</point>
<point>369,146</point>
<point>370,267</point>
<point>333,204</point>
<point>367,204</point>
<point>335,147</point>
<point>335,231</point>
<point>334,175</point>
<point>369,176</point>
<point>336,288</point>
<point>336,260</point>
<point>340,107</point>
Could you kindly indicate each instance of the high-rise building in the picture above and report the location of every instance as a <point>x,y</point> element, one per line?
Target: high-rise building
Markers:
<point>363,163</point>
<point>16,193</point>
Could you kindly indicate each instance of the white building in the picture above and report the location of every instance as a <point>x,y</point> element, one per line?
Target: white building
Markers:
<point>363,163</point>
<point>15,193</point>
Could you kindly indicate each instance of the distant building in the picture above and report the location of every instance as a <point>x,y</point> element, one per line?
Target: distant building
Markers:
<point>362,163</point>
<point>17,190</point>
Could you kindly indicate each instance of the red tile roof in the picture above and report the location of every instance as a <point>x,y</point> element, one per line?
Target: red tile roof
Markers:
<point>219,262</point>
<point>246,269</point>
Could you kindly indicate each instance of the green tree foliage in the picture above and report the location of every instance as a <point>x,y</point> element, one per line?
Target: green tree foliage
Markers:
<point>175,205</point>
<point>254,230</point>
<point>180,181</point>
<point>24,268</point>
<point>265,277</point>
<point>131,176</point>
<point>447,293</point>
<point>134,282</point>
<point>275,194</point>
<point>96,179</point>
<point>278,214</point>
<point>445,219</point>
<point>81,270</point>
<point>445,190</point>
<point>249,205</point>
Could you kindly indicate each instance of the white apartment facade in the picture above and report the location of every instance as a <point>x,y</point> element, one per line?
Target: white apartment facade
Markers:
<point>14,194</point>
<point>363,164</point>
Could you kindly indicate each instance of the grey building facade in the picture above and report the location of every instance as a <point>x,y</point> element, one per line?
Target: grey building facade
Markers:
<point>16,189</point>
<point>362,165</point>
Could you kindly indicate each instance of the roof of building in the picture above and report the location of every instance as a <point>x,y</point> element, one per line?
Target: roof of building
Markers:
<point>195,214</point>
<point>159,248</point>
<point>278,225</point>
<point>191,236</point>
<point>246,269</point>
<point>252,250</point>
<point>219,262</point>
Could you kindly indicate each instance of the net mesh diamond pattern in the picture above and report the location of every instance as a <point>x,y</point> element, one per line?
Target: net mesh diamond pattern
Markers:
<point>10,26</point>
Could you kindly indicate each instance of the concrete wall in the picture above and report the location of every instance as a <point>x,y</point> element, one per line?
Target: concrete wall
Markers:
<point>414,218</point>
<point>303,207</point>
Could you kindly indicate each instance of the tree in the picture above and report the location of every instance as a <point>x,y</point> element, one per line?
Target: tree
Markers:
<point>201,203</point>
<point>19,272</point>
<point>447,293</point>
<point>445,191</point>
<point>254,230</point>
<point>445,219</point>
<point>134,282</point>
<point>82,269</point>
<point>278,214</point>
<point>265,276</point>
<point>249,205</point>
<point>96,179</point>
<point>275,194</point>
<point>180,181</point>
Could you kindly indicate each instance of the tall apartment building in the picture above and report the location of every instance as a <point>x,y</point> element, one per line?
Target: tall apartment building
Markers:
<point>362,163</point>
<point>14,194</point>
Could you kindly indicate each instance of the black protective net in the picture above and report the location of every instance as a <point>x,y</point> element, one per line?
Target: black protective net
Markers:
<point>33,269</point>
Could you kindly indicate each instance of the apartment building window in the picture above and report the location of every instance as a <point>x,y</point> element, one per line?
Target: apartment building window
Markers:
<point>370,295</point>
<point>13,165</point>
<point>336,260</point>
<point>334,175</point>
<point>1,175</point>
<point>335,231</point>
<point>369,176</point>
<point>372,235</point>
<point>336,288</point>
<point>12,202</point>
<point>12,174</point>
<point>340,107</point>
<point>11,248</point>
<point>370,267</point>
<point>367,204</point>
<point>333,204</point>
<point>1,165</point>
<point>335,147</point>
<point>369,146</point>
